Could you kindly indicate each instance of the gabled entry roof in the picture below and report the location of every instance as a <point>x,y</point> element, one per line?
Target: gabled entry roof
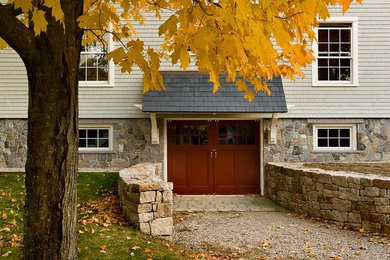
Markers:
<point>192,93</point>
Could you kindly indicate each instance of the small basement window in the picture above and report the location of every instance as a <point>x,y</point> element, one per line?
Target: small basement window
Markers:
<point>95,138</point>
<point>334,137</point>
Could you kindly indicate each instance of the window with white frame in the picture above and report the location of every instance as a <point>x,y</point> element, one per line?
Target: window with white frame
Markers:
<point>95,68</point>
<point>336,53</point>
<point>334,137</point>
<point>97,138</point>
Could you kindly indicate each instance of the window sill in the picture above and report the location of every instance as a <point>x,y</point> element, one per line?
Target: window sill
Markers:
<point>96,151</point>
<point>83,85</point>
<point>336,151</point>
<point>328,84</point>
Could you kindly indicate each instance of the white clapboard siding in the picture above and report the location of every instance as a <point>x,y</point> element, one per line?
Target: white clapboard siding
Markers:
<point>370,99</point>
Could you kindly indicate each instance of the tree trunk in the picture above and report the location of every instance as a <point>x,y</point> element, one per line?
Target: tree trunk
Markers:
<point>52,154</point>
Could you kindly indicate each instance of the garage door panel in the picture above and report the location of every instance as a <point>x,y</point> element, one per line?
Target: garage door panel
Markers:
<point>247,164</point>
<point>198,169</point>
<point>178,168</point>
<point>224,169</point>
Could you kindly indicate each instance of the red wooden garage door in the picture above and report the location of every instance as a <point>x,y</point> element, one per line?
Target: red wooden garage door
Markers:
<point>207,157</point>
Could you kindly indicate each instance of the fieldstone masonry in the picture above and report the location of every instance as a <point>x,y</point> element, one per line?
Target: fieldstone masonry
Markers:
<point>146,199</point>
<point>353,199</point>
<point>294,142</point>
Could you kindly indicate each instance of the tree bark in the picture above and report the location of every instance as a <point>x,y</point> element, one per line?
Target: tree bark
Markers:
<point>52,154</point>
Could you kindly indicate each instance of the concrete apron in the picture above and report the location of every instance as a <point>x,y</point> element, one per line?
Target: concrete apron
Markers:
<point>215,203</point>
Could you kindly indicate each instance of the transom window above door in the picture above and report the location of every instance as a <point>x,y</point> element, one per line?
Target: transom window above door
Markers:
<point>190,134</point>
<point>236,134</point>
<point>336,54</point>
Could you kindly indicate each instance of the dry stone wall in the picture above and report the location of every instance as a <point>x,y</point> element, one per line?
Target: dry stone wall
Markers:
<point>353,199</point>
<point>146,199</point>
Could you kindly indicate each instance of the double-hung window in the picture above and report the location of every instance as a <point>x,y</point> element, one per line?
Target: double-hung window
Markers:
<point>95,69</point>
<point>336,53</point>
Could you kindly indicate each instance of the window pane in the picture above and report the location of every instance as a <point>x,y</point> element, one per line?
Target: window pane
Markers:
<point>251,130</point>
<point>335,48</point>
<point>231,140</point>
<point>175,140</point>
<point>103,133</point>
<point>346,48</point>
<point>242,140</point>
<point>232,129</point>
<point>103,143</point>
<point>82,143</point>
<point>322,132</point>
<point>241,129</point>
<point>323,62</point>
<point>195,140</point>
<point>322,35</point>
<point>194,130</point>
<point>334,74</point>
<point>346,35</point>
<point>92,133</point>
<point>322,74</point>
<point>344,133</point>
<point>333,142</point>
<point>333,132</point>
<point>91,74</point>
<point>345,74</point>
<point>222,129</point>
<point>345,142</point>
<point>92,142</point>
<point>322,142</point>
<point>204,130</point>
<point>251,139</point>
<point>204,140</point>
<point>82,133</point>
<point>323,49</point>
<point>345,62</point>
<point>185,129</point>
<point>185,140</point>
<point>334,36</point>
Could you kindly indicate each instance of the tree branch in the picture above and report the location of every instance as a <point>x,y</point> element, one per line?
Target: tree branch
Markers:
<point>15,33</point>
<point>12,9</point>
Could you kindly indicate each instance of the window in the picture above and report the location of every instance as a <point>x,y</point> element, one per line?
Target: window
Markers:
<point>334,137</point>
<point>95,69</point>
<point>336,53</point>
<point>97,138</point>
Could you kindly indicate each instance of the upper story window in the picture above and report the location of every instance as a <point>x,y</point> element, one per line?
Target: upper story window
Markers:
<point>95,69</point>
<point>336,53</point>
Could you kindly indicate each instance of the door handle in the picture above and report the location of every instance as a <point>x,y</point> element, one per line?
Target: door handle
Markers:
<point>211,154</point>
<point>215,154</point>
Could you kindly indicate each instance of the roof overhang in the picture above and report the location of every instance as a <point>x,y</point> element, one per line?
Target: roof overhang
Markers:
<point>191,93</point>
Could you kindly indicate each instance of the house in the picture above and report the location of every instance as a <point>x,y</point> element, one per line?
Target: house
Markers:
<point>220,143</point>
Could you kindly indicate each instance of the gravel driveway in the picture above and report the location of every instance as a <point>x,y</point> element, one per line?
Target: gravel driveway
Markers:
<point>273,235</point>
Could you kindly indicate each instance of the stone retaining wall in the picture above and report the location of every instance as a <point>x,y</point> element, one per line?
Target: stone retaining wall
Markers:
<point>146,199</point>
<point>352,199</point>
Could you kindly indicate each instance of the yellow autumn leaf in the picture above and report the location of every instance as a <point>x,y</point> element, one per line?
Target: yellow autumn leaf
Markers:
<point>39,20</point>
<point>3,44</point>
<point>56,9</point>
<point>24,5</point>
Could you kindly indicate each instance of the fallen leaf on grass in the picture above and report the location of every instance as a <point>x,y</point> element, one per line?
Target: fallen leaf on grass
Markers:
<point>147,250</point>
<point>6,229</point>
<point>7,254</point>
<point>265,244</point>
<point>135,248</point>
<point>361,230</point>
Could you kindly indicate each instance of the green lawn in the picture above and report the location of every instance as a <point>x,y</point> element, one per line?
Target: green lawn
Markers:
<point>103,233</point>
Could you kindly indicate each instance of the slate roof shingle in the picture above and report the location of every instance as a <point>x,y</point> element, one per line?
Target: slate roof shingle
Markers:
<point>192,93</point>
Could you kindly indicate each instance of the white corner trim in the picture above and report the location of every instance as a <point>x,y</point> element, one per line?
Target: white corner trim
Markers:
<point>354,49</point>
<point>273,131</point>
<point>155,132</point>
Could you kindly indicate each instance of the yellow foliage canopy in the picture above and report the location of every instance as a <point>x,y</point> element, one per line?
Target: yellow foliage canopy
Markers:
<point>247,39</point>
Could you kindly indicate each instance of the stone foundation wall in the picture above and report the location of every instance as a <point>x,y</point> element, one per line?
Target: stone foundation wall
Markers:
<point>355,200</point>
<point>146,200</point>
<point>13,143</point>
<point>295,142</point>
<point>131,144</point>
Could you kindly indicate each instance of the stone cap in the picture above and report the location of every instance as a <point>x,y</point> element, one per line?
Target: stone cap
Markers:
<point>144,177</point>
<point>305,168</point>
